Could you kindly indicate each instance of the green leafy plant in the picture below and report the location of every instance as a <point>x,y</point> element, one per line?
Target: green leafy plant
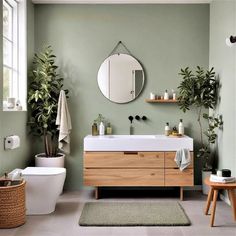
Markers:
<point>100,119</point>
<point>200,90</point>
<point>44,89</point>
<point>211,135</point>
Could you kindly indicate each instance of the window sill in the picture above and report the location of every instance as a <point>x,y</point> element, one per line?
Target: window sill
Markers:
<point>6,109</point>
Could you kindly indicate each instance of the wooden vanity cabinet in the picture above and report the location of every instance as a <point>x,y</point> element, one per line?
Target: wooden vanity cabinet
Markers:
<point>175,177</point>
<point>135,169</point>
<point>127,160</point>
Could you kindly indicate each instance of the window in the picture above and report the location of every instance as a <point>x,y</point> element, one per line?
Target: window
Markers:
<point>14,51</point>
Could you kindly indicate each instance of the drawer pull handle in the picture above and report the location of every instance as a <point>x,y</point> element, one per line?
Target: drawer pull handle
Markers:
<point>152,174</point>
<point>176,168</point>
<point>130,153</point>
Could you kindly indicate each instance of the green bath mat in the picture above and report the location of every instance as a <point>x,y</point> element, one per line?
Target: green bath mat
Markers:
<point>133,214</point>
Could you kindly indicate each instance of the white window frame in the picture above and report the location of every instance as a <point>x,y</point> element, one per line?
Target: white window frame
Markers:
<point>18,84</point>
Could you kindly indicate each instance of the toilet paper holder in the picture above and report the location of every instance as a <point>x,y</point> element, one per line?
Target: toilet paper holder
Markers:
<point>12,142</point>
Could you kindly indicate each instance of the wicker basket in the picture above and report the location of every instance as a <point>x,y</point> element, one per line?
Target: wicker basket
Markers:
<point>12,205</point>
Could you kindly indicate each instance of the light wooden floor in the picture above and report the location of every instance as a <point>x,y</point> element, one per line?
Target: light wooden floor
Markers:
<point>64,221</point>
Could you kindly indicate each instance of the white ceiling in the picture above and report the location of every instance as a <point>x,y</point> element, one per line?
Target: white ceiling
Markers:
<point>120,1</point>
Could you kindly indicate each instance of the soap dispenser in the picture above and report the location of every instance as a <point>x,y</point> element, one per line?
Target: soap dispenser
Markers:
<point>181,127</point>
<point>101,129</point>
<point>167,129</point>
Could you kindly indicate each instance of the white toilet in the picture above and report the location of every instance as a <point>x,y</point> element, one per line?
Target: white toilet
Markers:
<point>43,187</point>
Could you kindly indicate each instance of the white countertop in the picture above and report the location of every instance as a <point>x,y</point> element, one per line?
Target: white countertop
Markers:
<point>136,143</point>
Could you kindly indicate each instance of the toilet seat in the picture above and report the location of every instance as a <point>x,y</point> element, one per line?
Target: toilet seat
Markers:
<point>43,171</point>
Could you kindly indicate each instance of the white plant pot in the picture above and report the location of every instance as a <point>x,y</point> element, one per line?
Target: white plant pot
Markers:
<point>42,161</point>
<point>205,188</point>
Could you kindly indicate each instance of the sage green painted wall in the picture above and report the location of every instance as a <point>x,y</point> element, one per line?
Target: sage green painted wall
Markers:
<point>223,58</point>
<point>15,122</point>
<point>163,37</point>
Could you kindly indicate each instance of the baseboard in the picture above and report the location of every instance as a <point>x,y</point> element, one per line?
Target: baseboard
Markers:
<point>193,188</point>
<point>187,188</point>
<point>225,199</point>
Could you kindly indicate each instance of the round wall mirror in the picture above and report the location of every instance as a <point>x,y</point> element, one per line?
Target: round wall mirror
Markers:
<point>120,78</point>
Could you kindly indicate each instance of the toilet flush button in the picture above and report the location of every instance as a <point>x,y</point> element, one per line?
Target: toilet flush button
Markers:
<point>12,142</point>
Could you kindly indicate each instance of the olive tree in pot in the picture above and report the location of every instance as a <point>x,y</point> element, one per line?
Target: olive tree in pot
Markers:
<point>200,90</point>
<point>44,89</point>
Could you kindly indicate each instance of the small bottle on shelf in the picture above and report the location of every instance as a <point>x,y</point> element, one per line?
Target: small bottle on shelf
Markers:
<point>167,129</point>
<point>166,95</point>
<point>152,96</point>
<point>173,94</point>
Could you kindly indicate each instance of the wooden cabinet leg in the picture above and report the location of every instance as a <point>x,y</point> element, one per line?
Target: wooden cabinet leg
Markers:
<point>232,198</point>
<point>213,210</point>
<point>96,193</point>
<point>181,193</point>
<point>209,198</point>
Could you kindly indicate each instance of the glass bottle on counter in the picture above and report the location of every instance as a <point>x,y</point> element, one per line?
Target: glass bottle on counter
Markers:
<point>109,129</point>
<point>101,129</point>
<point>94,129</point>
<point>167,129</point>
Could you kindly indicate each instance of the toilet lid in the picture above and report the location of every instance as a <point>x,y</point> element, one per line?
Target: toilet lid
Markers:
<point>43,171</point>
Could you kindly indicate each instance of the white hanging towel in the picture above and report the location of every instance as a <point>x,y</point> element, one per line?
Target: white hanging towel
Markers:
<point>183,158</point>
<point>64,123</point>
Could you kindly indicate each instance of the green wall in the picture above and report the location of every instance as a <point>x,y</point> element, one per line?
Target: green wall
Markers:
<point>163,37</point>
<point>15,122</point>
<point>223,58</point>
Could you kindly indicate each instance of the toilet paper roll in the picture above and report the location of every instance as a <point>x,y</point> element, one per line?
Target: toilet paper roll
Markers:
<point>12,142</point>
<point>219,173</point>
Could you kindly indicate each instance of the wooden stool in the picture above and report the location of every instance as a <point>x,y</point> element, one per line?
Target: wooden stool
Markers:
<point>214,189</point>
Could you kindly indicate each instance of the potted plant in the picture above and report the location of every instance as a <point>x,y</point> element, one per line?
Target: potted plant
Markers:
<point>200,90</point>
<point>44,88</point>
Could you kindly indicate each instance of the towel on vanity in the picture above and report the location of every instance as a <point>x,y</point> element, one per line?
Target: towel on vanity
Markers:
<point>183,158</point>
<point>64,123</point>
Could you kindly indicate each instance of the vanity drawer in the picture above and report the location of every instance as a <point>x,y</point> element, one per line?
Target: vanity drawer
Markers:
<point>175,177</point>
<point>170,160</point>
<point>124,177</point>
<point>123,159</point>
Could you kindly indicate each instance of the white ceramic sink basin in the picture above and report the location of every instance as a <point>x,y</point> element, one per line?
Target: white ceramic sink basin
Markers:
<point>129,136</point>
<point>136,143</point>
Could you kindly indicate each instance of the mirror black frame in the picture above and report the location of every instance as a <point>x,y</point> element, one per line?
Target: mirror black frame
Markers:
<point>143,78</point>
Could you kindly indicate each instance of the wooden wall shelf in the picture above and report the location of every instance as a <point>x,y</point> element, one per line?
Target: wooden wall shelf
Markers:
<point>161,101</point>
